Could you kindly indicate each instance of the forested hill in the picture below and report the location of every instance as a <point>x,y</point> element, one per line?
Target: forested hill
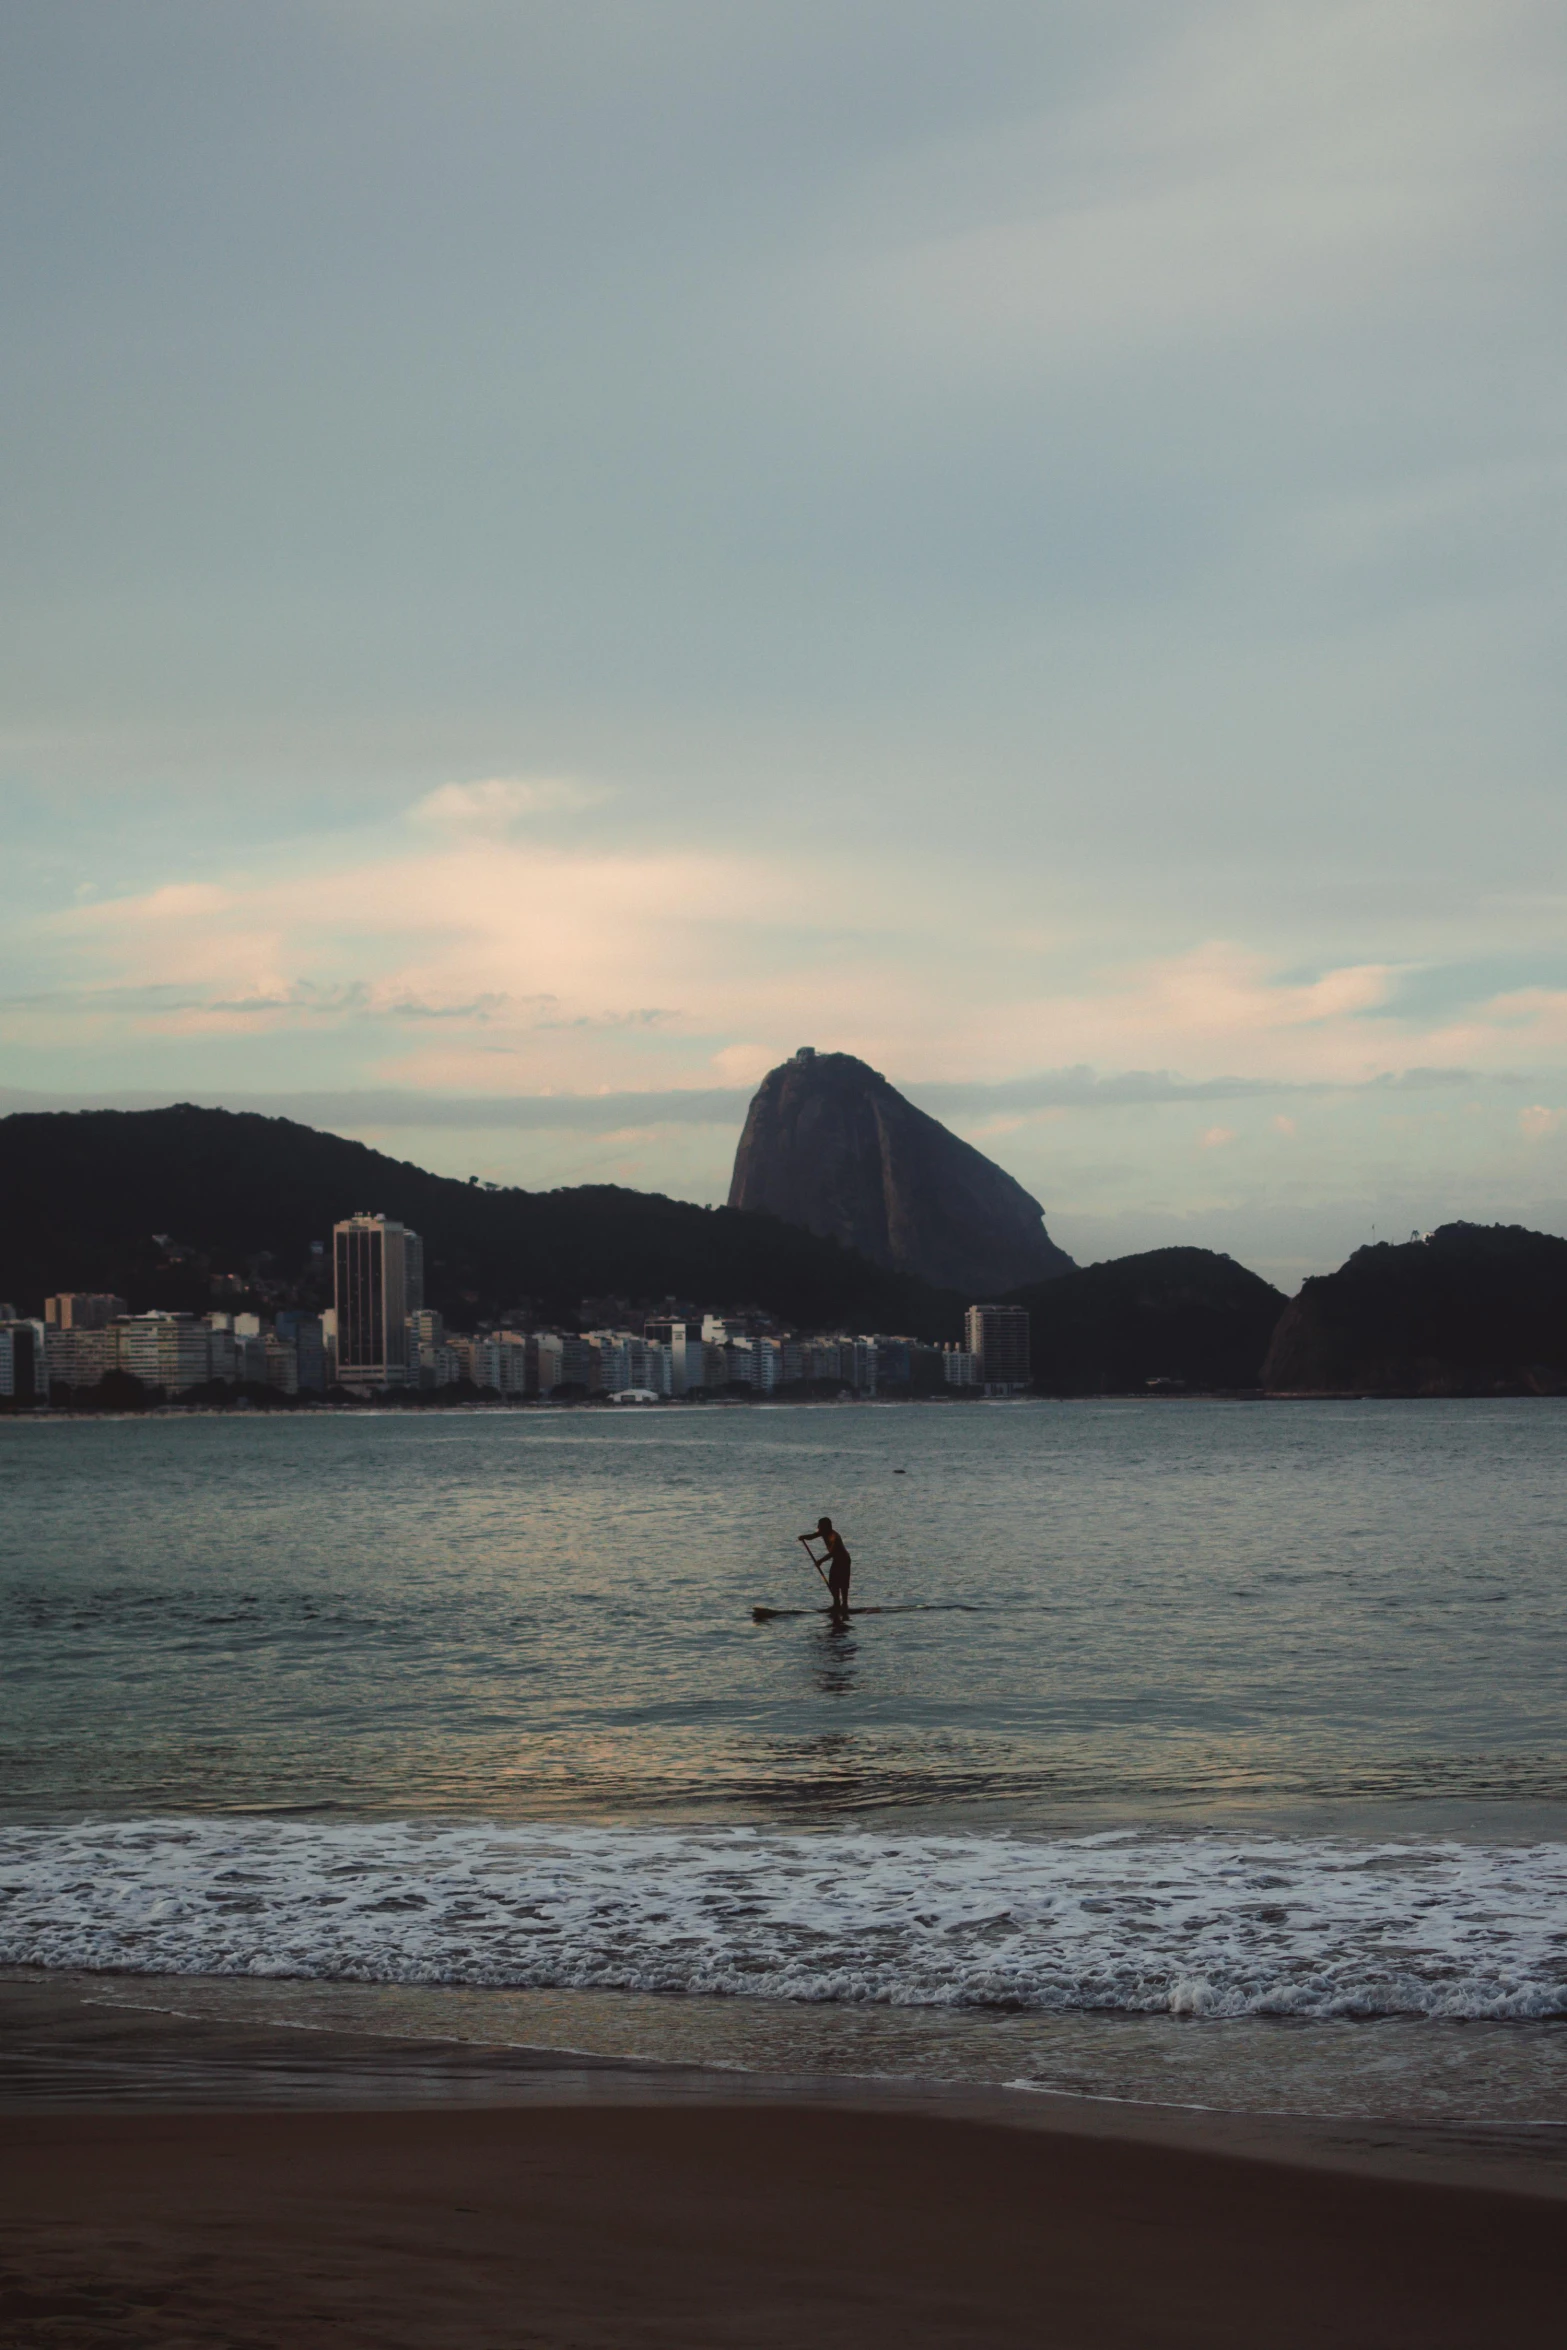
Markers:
<point>1472,1309</point>
<point>1173,1317</point>
<point>82,1194</point>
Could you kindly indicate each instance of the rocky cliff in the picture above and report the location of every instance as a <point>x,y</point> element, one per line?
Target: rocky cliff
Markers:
<point>829,1145</point>
<point>1473,1309</point>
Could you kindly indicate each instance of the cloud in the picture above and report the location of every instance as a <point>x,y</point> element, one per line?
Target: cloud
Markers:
<point>576,964</point>
<point>1537,1122</point>
<point>492,807</point>
<point>985,1110</point>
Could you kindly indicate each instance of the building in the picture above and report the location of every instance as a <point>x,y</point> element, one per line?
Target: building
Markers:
<point>503,1360</point>
<point>377,1283</point>
<point>24,1366</point>
<point>169,1351</point>
<point>303,1332</point>
<point>907,1366</point>
<point>577,1363</point>
<point>433,1360</point>
<point>998,1338</point>
<point>625,1359</point>
<point>83,1309</point>
<point>959,1368</point>
<point>220,1347</point>
<point>80,1358</point>
<point>672,1335</point>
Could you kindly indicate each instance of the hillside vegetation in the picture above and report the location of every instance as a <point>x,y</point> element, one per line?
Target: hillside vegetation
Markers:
<point>1182,1317</point>
<point>1473,1309</point>
<point>83,1193</point>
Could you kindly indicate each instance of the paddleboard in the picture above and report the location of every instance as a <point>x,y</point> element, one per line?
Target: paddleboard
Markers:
<point>917,1607</point>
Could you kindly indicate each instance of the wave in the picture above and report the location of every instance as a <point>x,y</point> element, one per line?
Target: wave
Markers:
<point>1198,1925</point>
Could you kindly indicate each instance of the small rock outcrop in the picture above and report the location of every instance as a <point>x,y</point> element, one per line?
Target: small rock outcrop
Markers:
<point>1472,1309</point>
<point>831,1146</point>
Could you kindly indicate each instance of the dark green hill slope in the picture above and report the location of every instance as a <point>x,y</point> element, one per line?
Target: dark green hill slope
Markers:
<point>1474,1309</point>
<point>82,1194</point>
<point>1186,1315</point>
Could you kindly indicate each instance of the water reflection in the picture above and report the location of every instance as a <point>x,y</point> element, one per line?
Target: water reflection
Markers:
<point>837,1667</point>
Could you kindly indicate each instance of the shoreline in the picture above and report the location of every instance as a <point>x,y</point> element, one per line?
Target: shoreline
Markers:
<point>390,1407</point>
<point>69,2050</point>
<point>166,2180</point>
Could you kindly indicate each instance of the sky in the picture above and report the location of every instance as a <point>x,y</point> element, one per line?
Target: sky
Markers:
<point>554,553</point>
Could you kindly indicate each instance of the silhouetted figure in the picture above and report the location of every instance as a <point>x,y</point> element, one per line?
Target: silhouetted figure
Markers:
<point>838,1564</point>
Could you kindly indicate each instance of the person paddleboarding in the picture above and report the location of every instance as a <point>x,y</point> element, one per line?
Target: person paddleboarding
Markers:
<point>837,1563</point>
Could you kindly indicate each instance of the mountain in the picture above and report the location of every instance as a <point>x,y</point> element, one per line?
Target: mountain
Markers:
<point>1185,1316</point>
<point>1473,1309</point>
<point>830,1146</point>
<point>83,1193</point>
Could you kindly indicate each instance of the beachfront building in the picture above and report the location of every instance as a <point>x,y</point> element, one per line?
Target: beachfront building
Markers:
<point>997,1337</point>
<point>433,1360</point>
<point>671,1334</point>
<point>840,1361</point>
<point>24,1367</point>
<point>83,1309</point>
<point>502,1360</point>
<point>304,1333</point>
<point>624,1360</point>
<point>80,1358</point>
<point>377,1283</point>
<point>220,1347</point>
<point>169,1351</point>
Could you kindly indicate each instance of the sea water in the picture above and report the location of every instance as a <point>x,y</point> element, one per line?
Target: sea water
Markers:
<point>1207,1751</point>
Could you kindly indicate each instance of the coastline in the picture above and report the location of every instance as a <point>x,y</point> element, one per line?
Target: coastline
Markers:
<point>167,2178</point>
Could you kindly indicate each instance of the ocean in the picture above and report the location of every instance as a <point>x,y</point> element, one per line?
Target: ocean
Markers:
<point>1202,1753</point>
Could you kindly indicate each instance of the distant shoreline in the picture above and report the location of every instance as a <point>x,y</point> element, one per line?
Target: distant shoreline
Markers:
<point>393,1407</point>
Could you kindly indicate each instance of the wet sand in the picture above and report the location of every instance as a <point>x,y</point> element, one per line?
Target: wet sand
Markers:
<point>168,2184</point>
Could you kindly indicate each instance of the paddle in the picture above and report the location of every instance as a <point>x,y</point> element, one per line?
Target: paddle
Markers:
<point>807,1540</point>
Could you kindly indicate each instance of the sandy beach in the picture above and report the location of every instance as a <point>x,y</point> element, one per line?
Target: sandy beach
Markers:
<point>165,2181</point>
<point>765,2225</point>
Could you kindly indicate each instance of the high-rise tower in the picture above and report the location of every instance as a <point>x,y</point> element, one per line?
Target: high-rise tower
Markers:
<point>377,1282</point>
<point>997,1338</point>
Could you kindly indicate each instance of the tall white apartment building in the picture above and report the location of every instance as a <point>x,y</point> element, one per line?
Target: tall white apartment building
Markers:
<point>377,1283</point>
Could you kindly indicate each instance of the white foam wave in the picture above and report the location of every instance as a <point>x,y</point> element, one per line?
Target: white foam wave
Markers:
<point>1202,1925</point>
